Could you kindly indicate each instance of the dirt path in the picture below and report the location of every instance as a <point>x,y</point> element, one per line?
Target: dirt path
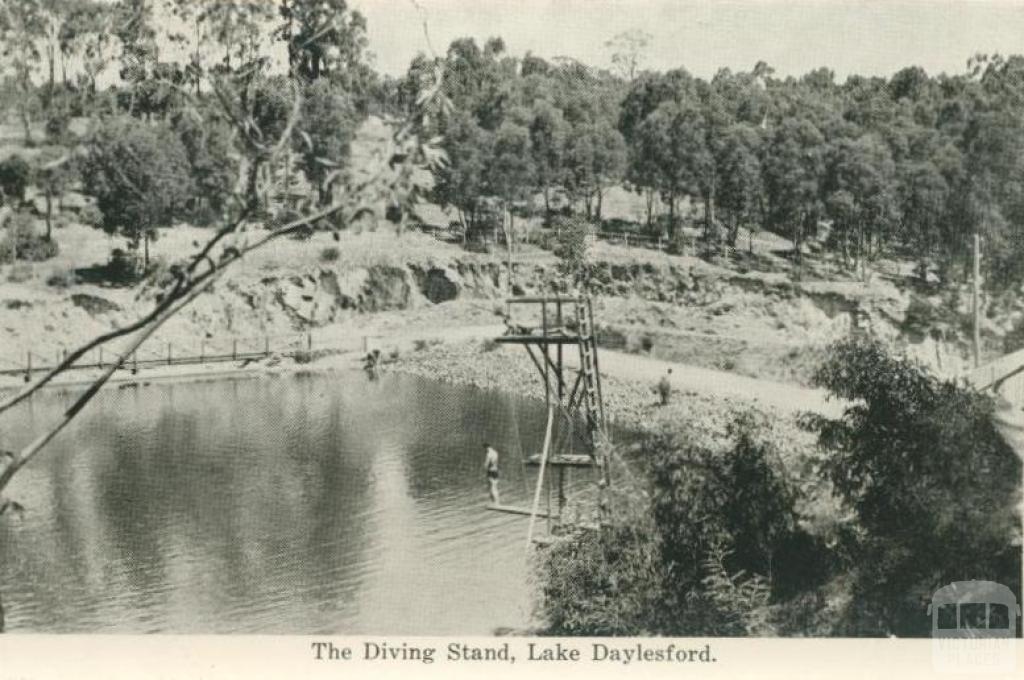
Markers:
<point>781,396</point>
<point>787,398</point>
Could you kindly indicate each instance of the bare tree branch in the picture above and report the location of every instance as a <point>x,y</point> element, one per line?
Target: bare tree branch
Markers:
<point>26,454</point>
<point>188,285</point>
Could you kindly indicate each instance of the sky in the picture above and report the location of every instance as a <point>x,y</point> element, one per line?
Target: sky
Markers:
<point>866,37</point>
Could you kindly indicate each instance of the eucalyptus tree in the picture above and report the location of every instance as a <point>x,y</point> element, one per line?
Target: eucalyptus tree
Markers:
<point>548,141</point>
<point>673,140</point>
<point>322,36</point>
<point>22,25</point>
<point>595,159</point>
<point>510,177</point>
<point>325,135</point>
<point>741,187</point>
<point>139,175</point>
<point>644,95</point>
<point>794,165</point>
<point>86,37</point>
<point>860,196</point>
<point>628,50</point>
<point>461,181</point>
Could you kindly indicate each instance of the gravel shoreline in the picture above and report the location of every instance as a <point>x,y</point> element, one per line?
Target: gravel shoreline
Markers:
<point>629,404</point>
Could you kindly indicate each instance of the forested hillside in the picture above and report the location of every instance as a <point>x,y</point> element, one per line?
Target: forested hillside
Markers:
<point>910,165</point>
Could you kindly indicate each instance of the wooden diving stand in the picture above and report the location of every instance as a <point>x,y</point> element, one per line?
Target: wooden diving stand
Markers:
<point>565,321</point>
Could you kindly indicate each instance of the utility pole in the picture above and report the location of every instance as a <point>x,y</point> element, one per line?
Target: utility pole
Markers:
<point>976,306</point>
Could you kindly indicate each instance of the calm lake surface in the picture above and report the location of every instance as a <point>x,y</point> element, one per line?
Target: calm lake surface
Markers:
<point>310,504</point>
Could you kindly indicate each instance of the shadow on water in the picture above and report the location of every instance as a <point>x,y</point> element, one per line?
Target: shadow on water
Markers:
<point>274,505</point>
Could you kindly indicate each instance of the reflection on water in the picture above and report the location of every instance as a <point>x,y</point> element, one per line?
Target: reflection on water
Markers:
<point>271,505</point>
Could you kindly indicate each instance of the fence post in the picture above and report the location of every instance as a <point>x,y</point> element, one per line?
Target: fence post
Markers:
<point>266,346</point>
<point>168,354</point>
<point>101,357</point>
<point>28,366</point>
<point>309,341</point>
<point>202,350</point>
<point>135,363</point>
<point>626,238</point>
<point>234,349</point>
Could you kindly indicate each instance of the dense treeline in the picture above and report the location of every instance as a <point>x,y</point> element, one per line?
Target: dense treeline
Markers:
<point>913,164</point>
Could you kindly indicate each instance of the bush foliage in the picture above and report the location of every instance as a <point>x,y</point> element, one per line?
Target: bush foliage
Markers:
<point>15,177</point>
<point>22,242</point>
<point>933,486</point>
<point>140,175</point>
<point>693,556</point>
<point>714,542</point>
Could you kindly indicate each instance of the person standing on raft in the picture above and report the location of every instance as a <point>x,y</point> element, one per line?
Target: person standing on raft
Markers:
<point>491,468</point>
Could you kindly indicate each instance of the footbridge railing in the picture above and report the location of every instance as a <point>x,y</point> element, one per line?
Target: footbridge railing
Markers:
<point>1004,376</point>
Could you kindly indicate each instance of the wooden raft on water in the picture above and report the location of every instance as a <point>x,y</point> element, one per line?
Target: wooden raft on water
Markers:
<point>564,459</point>
<point>513,510</point>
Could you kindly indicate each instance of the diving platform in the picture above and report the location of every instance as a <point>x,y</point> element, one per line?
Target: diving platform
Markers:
<point>555,324</point>
<point>546,327</point>
<point>553,339</point>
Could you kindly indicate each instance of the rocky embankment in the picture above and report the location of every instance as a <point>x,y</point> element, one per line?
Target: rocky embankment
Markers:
<point>684,309</point>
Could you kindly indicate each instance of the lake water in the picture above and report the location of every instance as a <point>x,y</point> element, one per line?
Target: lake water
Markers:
<point>310,504</point>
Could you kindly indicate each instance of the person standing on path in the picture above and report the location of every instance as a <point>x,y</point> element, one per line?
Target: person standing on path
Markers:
<point>491,468</point>
<point>665,387</point>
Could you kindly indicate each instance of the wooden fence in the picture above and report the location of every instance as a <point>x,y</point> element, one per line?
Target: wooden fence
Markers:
<point>203,351</point>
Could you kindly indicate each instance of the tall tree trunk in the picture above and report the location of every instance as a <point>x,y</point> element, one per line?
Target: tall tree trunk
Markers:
<point>649,195</point>
<point>287,178</point>
<point>49,213</point>
<point>709,213</point>
<point>509,245</point>
<point>671,218</point>
<point>600,202</point>
<point>26,123</point>
<point>846,248</point>
<point>798,241</point>
<point>145,251</point>
<point>51,59</point>
<point>860,249</point>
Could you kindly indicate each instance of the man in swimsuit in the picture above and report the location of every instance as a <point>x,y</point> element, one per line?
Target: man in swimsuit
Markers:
<point>491,467</point>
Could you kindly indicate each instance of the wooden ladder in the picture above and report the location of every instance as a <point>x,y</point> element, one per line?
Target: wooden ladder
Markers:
<point>588,366</point>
